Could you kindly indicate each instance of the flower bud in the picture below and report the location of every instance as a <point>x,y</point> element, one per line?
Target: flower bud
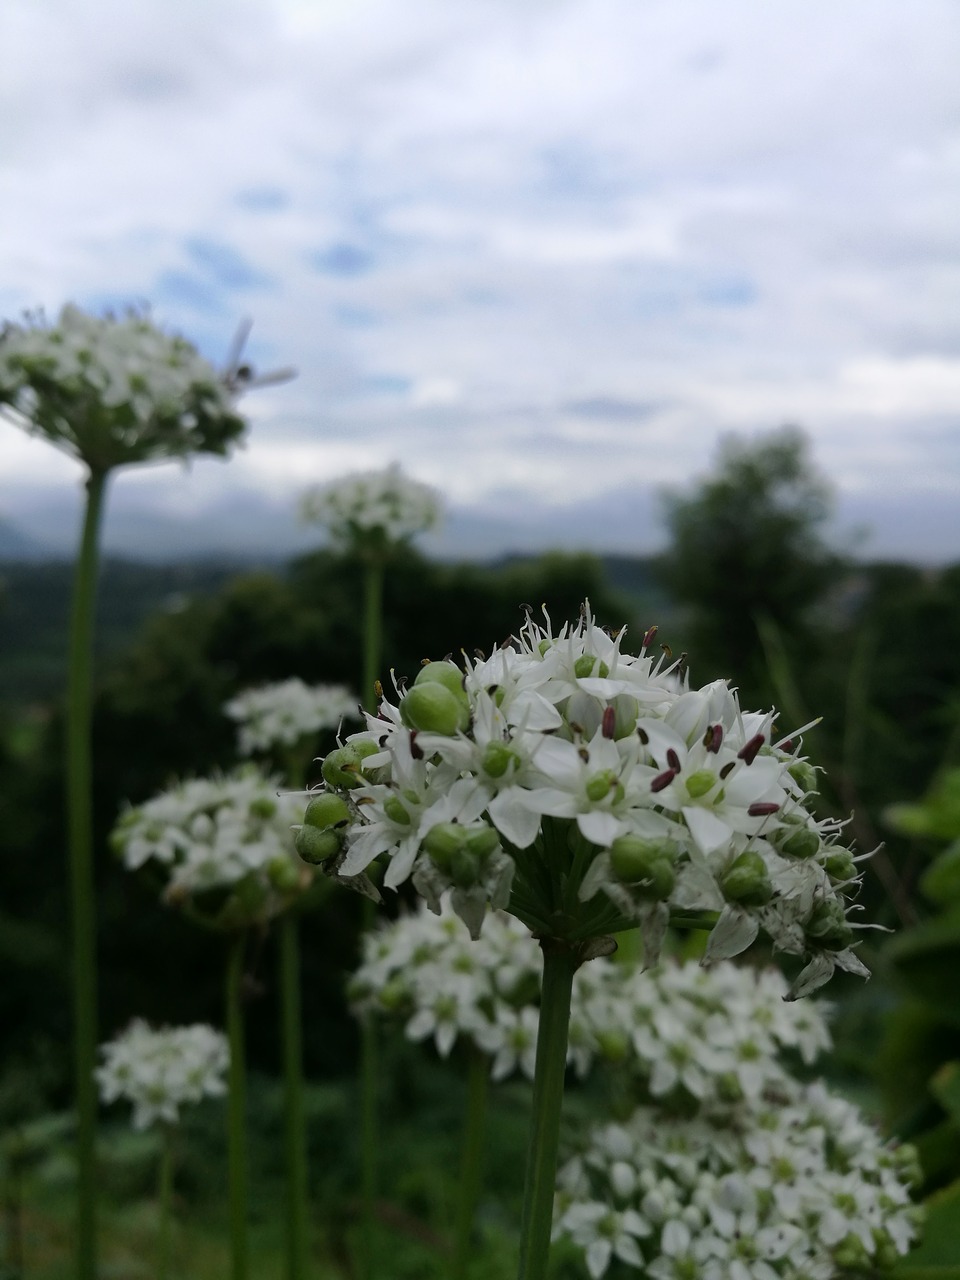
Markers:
<point>432,708</point>
<point>283,875</point>
<point>442,842</point>
<point>839,865</point>
<point>464,868</point>
<point>341,768</point>
<point>851,1254</point>
<point>482,841</point>
<point>828,927</point>
<point>804,775</point>
<point>647,865</point>
<point>326,810</point>
<point>801,844</point>
<point>263,807</point>
<point>395,811</point>
<point>316,845</point>
<point>447,674</point>
<point>746,880</point>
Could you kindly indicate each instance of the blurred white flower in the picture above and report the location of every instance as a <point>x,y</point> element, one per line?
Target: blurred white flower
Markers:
<point>373,509</point>
<point>159,1070</point>
<point>280,715</point>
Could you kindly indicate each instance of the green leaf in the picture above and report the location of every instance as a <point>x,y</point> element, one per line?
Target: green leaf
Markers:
<point>945,1087</point>
<point>941,881</point>
<point>936,1257</point>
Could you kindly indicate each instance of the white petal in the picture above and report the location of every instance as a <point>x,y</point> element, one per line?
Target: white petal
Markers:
<point>707,829</point>
<point>734,932</point>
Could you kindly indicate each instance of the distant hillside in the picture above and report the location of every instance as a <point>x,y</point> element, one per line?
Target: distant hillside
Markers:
<point>15,545</point>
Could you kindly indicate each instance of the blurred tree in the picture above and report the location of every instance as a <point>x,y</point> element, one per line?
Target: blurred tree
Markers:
<point>746,547</point>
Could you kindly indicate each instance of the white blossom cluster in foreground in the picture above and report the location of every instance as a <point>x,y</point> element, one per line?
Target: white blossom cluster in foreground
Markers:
<point>713,1033</point>
<point>231,832</point>
<point>385,505</point>
<point>159,1070</point>
<point>114,390</point>
<point>790,1184</point>
<point>587,789</point>
<point>281,714</point>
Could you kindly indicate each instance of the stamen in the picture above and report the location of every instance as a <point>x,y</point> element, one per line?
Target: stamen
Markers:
<point>609,721</point>
<point>762,808</point>
<point>749,752</point>
<point>663,780</point>
<point>673,760</point>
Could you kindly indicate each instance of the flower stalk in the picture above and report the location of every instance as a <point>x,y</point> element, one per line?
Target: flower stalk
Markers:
<point>471,1160</point>
<point>165,1198</point>
<point>560,963</point>
<point>80,846</point>
<point>237,1175</point>
<point>294,1120</point>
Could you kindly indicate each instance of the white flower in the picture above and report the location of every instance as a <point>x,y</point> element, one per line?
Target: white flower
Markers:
<point>113,391</point>
<point>607,786</point>
<point>281,714</point>
<point>385,505</point>
<point>159,1070</point>
<point>219,834</point>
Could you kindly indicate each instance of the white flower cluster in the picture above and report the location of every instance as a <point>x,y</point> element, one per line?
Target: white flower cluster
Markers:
<point>714,1033</point>
<point>158,1070</point>
<point>112,391</point>
<point>279,715</point>
<point>590,789</point>
<point>386,506</point>
<point>792,1184</point>
<point>222,833</point>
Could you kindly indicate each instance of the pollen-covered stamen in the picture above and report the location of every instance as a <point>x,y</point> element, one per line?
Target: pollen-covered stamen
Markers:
<point>663,780</point>
<point>763,808</point>
<point>749,752</point>
<point>673,760</point>
<point>713,738</point>
<point>609,722</point>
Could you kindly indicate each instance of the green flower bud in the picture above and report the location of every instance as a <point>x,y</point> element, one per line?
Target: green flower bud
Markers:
<point>851,1254</point>
<point>802,844</point>
<point>326,810</point>
<point>700,782</point>
<point>498,758</point>
<point>840,865</point>
<point>464,868</point>
<point>263,807</point>
<point>482,841</point>
<point>601,784</point>
<point>746,880</point>
<point>885,1252</point>
<point>432,708</point>
<point>364,747</point>
<point>805,775</point>
<point>442,842</point>
<point>647,865</point>
<point>587,665</point>
<point>447,674</point>
<point>395,811</point>
<point>283,874</point>
<point>828,927</point>
<point>614,1044</point>
<point>316,846</point>
<point>341,768</point>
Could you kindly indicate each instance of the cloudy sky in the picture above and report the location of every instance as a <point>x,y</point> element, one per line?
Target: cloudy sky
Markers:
<point>544,252</point>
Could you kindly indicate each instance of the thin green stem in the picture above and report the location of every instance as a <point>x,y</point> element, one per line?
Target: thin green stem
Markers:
<point>165,1197</point>
<point>471,1165</point>
<point>372,630</point>
<point>295,1125</point>
<point>559,965</point>
<point>369,1054</point>
<point>82,893</point>
<point>237,1112</point>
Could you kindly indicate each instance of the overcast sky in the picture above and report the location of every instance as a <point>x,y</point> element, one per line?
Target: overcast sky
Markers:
<point>544,252</point>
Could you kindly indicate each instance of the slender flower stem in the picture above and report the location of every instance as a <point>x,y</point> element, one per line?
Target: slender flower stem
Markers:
<point>165,1196</point>
<point>471,1166</point>
<point>372,647</point>
<point>559,965</point>
<point>295,1124</point>
<point>82,895</point>
<point>237,1112</point>
<point>372,629</point>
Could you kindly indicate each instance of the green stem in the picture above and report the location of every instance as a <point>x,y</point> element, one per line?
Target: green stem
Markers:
<point>471,1167</point>
<point>559,965</point>
<point>82,894</point>
<point>368,1137</point>
<point>295,1125</point>
<point>237,1112</point>
<point>165,1196</point>
<point>372,630</point>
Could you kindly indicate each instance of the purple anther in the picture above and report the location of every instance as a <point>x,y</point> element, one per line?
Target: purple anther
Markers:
<point>713,738</point>
<point>663,780</point>
<point>762,809</point>
<point>673,760</point>
<point>749,753</point>
<point>648,635</point>
<point>609,722</point>
<point>415,751</point>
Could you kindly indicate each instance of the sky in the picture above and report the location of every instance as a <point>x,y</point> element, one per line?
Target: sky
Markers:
<point>544,253</point>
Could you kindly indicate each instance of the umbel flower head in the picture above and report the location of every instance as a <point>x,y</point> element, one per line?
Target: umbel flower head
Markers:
<point>372,510</point>
<point>587,790</point>
<point>159,1070</point>
<point>112,391</point>
<point>280,715</point>
<point>685,1033</point>
<point>785,1184</point>
<point>223,845</point>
